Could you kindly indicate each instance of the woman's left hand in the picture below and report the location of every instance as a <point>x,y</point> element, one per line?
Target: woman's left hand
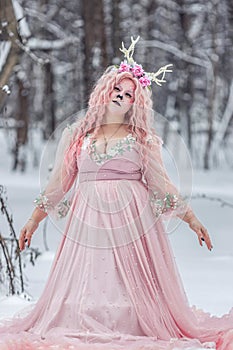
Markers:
<point>201,232</point>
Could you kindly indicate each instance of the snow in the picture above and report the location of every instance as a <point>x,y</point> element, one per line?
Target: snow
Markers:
<point>197,24</point>
<point>4,49</point>
<point>182,55</point>
<point>23,25</point>
<point>221,129</point>
<point>40,44</point>
<point>6,89</point>
<point>206,275</point>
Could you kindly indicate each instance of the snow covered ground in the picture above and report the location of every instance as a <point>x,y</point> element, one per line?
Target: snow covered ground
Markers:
<point>207,276</point>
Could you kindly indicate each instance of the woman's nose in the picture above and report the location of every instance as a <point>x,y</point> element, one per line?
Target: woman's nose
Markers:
<point>120,96</point>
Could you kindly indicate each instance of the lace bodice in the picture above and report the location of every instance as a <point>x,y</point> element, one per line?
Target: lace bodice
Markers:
<point>121,145</point>
<point>118,163</point>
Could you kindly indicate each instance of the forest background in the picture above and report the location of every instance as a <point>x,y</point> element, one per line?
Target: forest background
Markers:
<point>53,51</point>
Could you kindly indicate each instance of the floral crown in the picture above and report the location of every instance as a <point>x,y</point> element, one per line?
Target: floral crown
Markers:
<point>129,65</point>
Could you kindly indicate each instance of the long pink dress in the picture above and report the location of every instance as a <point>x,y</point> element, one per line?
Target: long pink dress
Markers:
<point>114,282</point>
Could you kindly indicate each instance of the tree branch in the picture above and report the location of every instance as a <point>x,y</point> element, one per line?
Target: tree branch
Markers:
<point>52,27</point>
<point>225,122</point>
<point>177,52</point>
<point>42,44</point>
<point>214,199</point>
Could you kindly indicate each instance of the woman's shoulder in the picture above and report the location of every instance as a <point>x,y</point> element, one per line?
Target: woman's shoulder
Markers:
<point>150,136</point>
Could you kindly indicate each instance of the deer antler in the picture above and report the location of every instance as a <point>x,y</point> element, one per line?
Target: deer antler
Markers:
<point>130,51</point>
<point>163,70</point>
<point>145,78</point>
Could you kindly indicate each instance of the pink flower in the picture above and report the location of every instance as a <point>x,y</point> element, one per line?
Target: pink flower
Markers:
<point>137,70</point>
<point>124,67</point>
<point>145,81</point>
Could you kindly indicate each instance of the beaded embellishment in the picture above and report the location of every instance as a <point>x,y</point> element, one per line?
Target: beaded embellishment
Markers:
<point>63,208</point>
<point>42,202</point>
<point>119,148</point>
<point>169,202</point>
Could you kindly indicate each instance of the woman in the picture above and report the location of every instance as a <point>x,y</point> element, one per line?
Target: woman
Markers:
<point>114,283</point>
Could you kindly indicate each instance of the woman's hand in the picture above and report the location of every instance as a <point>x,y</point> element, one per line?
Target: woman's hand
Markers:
<point>27,232</point>
<point>201,232</point>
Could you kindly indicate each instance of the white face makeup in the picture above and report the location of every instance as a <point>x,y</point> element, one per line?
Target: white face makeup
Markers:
<point>122,97</point>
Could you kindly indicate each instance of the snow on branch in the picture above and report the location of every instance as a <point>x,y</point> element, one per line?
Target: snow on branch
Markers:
<point>42,44</point>
<point>177,52</point>
<point>5,47</point>
<point>170,4</point>
<point>206,63</point>
<point>225,122</point>
<point>27,50</point>
<point>22,36</point>
<point>196,26</point>
<point>23,26</point>
<point>52,27</point>
<point>11,260</point>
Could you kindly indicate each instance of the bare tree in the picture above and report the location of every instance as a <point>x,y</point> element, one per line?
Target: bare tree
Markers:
<point>69,45</point>
<point>9,37</point>
<point>95,53</point>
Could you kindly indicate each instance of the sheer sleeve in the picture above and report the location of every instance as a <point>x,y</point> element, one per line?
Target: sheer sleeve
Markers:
<point>61,179</point>
<point>165,199</point>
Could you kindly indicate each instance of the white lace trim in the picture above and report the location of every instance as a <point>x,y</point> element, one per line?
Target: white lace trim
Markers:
<point>119,148</point>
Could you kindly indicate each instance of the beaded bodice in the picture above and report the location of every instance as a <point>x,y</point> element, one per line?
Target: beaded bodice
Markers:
<point>122,145</point>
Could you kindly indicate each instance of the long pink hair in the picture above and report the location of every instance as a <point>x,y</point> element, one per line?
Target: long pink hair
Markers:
<point>139,118</point>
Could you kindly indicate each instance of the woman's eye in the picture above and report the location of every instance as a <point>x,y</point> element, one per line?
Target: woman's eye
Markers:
<point>116,88</point>
<point>128,95</point>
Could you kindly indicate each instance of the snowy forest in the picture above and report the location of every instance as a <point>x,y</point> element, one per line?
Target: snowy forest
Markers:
<point>52,52</point>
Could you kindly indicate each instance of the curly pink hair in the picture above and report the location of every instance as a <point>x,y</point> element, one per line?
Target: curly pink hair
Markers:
<point>139,118</point>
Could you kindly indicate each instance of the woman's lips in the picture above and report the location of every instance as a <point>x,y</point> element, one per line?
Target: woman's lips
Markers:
<point>116,102</point>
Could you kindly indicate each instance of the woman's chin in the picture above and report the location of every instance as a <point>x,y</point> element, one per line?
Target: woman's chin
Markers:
<point>114,109</point>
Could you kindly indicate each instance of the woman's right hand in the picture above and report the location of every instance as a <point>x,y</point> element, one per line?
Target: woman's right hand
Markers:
<point>201,231</point>
<point>27,232</point>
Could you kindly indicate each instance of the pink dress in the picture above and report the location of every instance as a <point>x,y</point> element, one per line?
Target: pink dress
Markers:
<point>114,282</point>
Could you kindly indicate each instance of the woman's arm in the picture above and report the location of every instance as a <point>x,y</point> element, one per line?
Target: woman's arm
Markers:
<point>165,197</point>
<point>30,227</point>
<point>60,182</point>
<point>198,228</point>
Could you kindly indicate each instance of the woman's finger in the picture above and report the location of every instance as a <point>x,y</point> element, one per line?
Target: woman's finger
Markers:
<point>206,238</point>
<point>26,233</point>
<point>28,238</point>
<point>25,236</point>
<point>21,238</point>
<point>202,234</point>
<point>199,234</point>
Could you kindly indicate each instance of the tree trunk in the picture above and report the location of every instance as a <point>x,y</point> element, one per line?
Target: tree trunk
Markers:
<point>48,105</point>
<point>213,89</point>
<point>184,87</point>
<point>8,24</point>
<point>116,37</point>
<point>94,43</point>
<point>22,129</point>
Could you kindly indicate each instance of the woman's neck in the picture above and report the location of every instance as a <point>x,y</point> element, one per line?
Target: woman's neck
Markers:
<point>113,119</point>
